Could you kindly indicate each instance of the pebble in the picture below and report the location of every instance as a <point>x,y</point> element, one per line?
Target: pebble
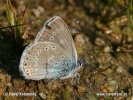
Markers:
<point>67,93</point>
<point>107,72</point>
<point>79,40</point>
<point>99,42</point>
<point>119,69</point>
<point>37,12</point>
<point>42,95</point>
<point>1,91</point>
<point>107,49</point>
<point>81,89</point>
<point>54,85</point>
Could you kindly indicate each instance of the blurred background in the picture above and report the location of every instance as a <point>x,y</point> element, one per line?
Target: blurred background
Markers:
<point>103,34</point>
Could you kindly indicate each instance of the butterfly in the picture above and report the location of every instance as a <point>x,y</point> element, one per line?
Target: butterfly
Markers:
<point>52,54</point>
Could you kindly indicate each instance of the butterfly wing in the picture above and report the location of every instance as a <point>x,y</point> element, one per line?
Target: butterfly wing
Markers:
<point>55,30</point>
<point>44,60</point>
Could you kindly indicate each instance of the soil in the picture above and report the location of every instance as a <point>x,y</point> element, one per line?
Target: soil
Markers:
<point>103,38</point>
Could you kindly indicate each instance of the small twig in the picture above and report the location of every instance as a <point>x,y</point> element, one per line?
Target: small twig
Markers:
<point>11,26</point>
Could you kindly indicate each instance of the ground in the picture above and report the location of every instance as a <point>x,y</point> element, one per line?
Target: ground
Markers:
<point>104,41</point>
